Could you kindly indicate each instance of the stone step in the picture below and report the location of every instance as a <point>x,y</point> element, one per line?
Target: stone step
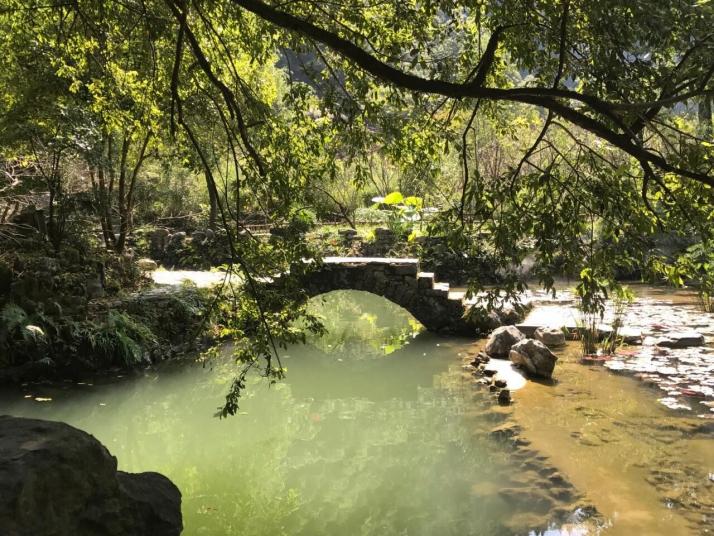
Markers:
<point>441,286</point>
<point>457,295</point>
<point>425,280</point>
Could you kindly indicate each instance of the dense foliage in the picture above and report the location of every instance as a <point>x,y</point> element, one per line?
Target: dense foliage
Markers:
<point>577,134</point>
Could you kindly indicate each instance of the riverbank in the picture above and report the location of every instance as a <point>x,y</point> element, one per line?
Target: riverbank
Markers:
<point>126,332</point>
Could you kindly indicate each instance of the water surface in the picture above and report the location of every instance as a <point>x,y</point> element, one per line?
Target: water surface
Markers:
<point>379,430</point>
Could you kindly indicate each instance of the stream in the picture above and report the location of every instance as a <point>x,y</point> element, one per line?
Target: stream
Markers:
<point>381,429</point>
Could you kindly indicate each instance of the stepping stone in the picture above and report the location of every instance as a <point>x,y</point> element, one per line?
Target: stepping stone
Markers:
<point>457,295</point>
<point>425,280</point>
<point>683,339</point>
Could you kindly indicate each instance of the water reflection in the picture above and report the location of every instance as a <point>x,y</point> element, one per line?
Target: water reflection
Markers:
<point>376,327</point>
<point>347,445</point>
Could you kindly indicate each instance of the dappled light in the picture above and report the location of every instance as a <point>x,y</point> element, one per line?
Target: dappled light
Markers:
<point>323,267</point>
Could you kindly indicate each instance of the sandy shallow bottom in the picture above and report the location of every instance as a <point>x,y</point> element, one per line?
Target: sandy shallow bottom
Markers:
<point>647,469</point>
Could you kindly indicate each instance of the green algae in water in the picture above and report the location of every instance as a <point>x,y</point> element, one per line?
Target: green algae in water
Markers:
<point>356,441</point>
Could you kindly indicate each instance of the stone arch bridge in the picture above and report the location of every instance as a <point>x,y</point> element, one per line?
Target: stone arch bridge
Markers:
<point>399,280</point>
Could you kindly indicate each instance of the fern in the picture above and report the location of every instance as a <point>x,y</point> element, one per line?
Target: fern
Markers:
<point>22,337</point>
<point>122,338</point>
<point>12,316</point>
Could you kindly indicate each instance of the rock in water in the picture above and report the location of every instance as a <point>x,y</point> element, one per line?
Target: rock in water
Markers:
<point>551,337</point>
<point>630,335</point>
<point>681,340</point>
<point>500,341</point>
<point>58,480</point>
<point>534,357</point>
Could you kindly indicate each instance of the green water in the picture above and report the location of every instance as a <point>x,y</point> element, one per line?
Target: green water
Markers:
<point>376,431</point>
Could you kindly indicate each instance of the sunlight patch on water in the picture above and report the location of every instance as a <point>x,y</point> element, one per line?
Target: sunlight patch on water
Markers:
<point>505,370</point>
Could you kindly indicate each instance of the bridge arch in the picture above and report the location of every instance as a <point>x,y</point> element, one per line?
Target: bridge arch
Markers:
<point>398,280</point>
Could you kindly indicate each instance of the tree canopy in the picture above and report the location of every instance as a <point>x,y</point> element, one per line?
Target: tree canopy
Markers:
<point>568,130</point>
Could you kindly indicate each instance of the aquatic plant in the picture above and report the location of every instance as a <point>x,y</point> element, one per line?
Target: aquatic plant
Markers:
<point>622,298</point>
<point>697,264</point>
<point>594,294</point>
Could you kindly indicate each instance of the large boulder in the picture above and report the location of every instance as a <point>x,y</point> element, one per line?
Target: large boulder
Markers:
<point>176,240</point>
<point>147,265</point>
<point>534,357</point>
<point>500,341</point>
<point>57,480</point>
<point>551,337</point>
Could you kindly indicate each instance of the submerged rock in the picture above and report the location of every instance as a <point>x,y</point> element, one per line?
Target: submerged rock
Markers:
<point>534,357</point>
<point>681,340</point>
<point>58,480</point>
<point>551,337</point>
<point>501,340</point>
<point>630,335</point>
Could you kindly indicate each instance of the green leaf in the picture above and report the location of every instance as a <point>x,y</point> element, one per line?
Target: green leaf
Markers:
<point>393,198</point>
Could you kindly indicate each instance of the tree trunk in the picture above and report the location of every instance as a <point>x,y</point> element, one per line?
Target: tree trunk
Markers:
<point>99,189</point>
<point>54,187</point>
<point>704,109</point>
<point>127,184</point>
<point>121,195</point>
<point>106,190</point>
<point>213,203</point>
